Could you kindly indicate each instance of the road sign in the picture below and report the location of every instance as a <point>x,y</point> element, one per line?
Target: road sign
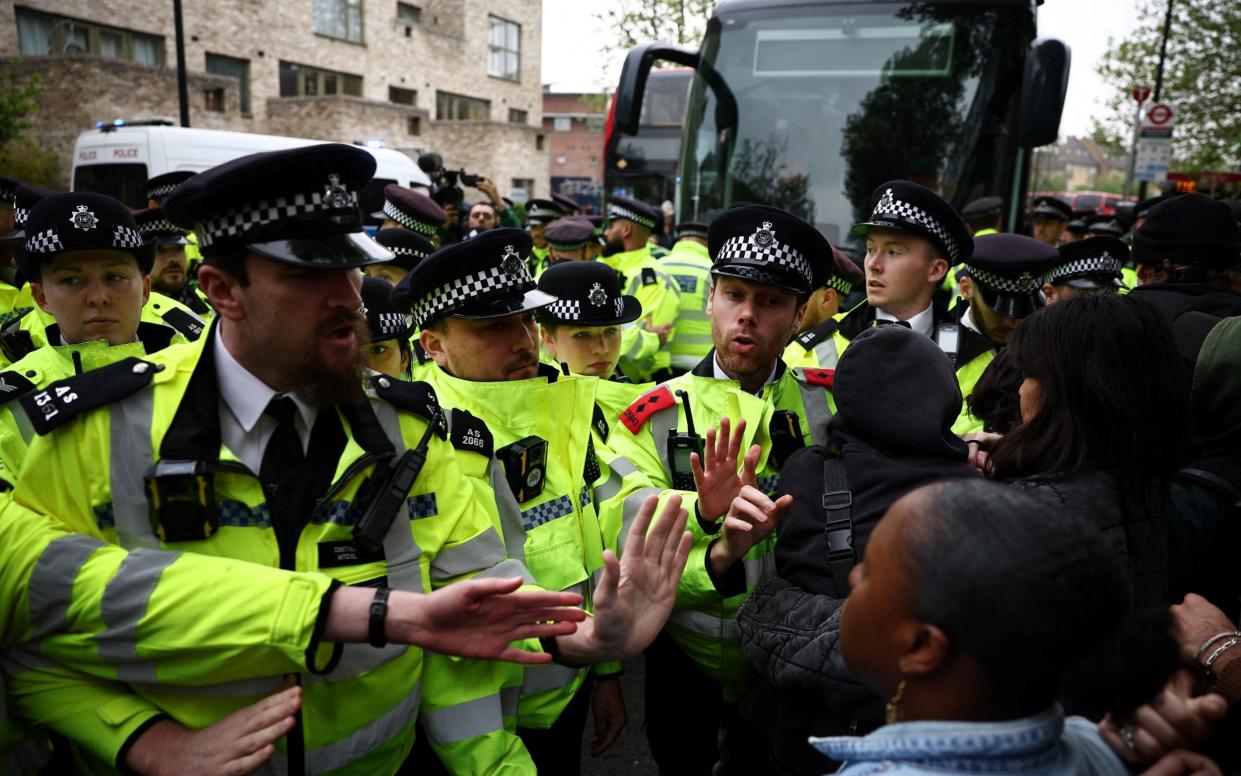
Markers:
<point>1159,116</point>
<point>1153,157</point>
<point>1141,94</point>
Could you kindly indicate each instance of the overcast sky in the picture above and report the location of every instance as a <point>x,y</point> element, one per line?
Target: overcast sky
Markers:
<point>572,40</point>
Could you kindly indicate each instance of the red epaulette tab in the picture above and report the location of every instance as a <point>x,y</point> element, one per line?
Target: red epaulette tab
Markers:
<point>636,414</point>
<point>823,377</point>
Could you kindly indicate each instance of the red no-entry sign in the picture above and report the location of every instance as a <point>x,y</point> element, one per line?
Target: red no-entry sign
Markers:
<point>1141,94</point>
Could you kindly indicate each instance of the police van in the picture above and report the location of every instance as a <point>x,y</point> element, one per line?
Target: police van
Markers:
<point>116,158</point>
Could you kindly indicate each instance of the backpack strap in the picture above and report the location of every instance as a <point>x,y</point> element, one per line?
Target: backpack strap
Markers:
<point>1211,481</point>
<point>838,521</point>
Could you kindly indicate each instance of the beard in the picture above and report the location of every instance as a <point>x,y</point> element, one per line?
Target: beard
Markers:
<point>166,285</point>
<point>613,247</point>
<point>322,384</point>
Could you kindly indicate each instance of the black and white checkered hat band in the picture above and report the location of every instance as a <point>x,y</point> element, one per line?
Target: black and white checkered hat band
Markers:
<point>400,250</point>
<point>1023,284</point>
<point>237,223</point>
<point>450,296</point>
<point>20,214</point>
<point>571,309</point>
<point>840,284</point>
<point>616,211</point>
<point>160,226</point>
<point>124,237</point>
<point>407,221</point>
<point>543,212</point>
<point>46,241</point>
<point>890,206</point>
<point>390,325</point>
<point>746,250</point>
<point>162,190</point>
<point>1092,265</point>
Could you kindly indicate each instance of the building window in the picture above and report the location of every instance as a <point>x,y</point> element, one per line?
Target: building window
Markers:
<point>234,68</point>
<point>516,116</point>
<point>213,100</point>
<point>504,48</point>
<point>414,125</point>
<point>41,34</point>
<point>339,19</point>
<point>408,13</point>
<point>522,189</point>
<point>303,81</point>
<point>538,141</point>
<point>402,96</point>
<point>457,107</point>
<point>562,123</point>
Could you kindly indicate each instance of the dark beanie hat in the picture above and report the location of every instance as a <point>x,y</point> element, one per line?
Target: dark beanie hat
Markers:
<point>1191,228</point>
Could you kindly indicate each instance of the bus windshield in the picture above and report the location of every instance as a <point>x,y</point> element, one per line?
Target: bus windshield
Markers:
<point>833,99</point>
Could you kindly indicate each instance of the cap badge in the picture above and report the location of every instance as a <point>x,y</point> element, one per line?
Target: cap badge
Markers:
<point>598,297</point>
<point>764,236</point>
<point>1106,256</point>
<point>886,203</point>
<point>334,194</point>
<point>83,219</point>
<point>510,262</point>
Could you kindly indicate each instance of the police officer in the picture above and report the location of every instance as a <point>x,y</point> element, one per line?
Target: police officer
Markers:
<point>912,237</point>
<point>568,205</point>
<point>644,352</point>
<point>15,296</point>
<point>568,239</point>
<point>540,213</point>
<point>689,264</point>
<point>1090,266</point>
<point>582,328</point>
<point>92,279</point>
<point>407,247</point>
<point>1050,217</point>
<point>412,210</point>
<point>388,350</point>
<point>475,304</point>
<point>256,445</point>
<point>766,262</point>
<point>814,346</point>
<point>983,216</point>
<point>155,191</point>
<point>1104,226</point>
<point>1075,228</point>
<point>171,274</point>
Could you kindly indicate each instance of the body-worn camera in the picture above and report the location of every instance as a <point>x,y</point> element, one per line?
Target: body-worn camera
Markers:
<point>525,467</point>
<point>181,501</point>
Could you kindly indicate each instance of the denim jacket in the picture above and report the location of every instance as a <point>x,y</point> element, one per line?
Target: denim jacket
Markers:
<point>1045,744</point>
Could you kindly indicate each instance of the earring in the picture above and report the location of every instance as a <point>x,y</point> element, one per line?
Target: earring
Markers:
<point>893,707</point>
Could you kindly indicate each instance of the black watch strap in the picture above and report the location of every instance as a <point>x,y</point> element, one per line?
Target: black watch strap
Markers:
<point>379,614</point>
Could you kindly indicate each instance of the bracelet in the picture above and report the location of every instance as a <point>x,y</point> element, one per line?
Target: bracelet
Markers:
<point>1227,645</point>
<point>379,613</point>
<point>1207,644</point>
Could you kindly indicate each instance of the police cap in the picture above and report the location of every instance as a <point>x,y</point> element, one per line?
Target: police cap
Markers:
<point>982,207</point>
<point>569,234</point>
<point>587,293</point>
<point>82,221</point>
<point>599,222</point>
<point>1192,228</point>
<point>542,211</point>
<point>768,245</point>
<point>297,205</point>
<point>1091,263</point>
<point>411,209</point>
<point>1077,223</point>
<point>1051,208</point>
<point>690,229</point>
<point>154,226</point>
<point>1007,271</point>
<point>1104,226</point>
<point>631,209</point>
<point>847,274</point>
<point>904,206</point>
<point>382,317</point>
<point>567,204</point>
<point>25,197</point>
<point>485,277</point>
<point>161,186</point>
<point>408,248</point>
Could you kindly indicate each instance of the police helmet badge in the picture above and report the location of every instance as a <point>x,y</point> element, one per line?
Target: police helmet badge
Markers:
<point>764,236</point>
<point>83,219</point>
<point>1105,257</point>
<point>598,297</point>
<point>510,262</point>
<point>334,194</point>
<point>886,203</point>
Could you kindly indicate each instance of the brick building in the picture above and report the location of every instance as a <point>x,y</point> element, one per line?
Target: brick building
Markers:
<point>573,124</point>
<point>458,77</point>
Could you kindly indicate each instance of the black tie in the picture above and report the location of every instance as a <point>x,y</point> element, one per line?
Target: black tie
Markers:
<point>894,323</point>
<point>283,465</point>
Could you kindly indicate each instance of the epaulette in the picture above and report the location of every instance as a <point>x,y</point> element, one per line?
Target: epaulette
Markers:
<point>599,422</point>
<point>823,377</point>
<point>416,397</point>
<point>816,334</point>
<point>64,400</point>
<point>635,415</point>
<point>14,385</point>
<point>649,276</point>
<point>467,432</point>
<point>183,322</point>
<point>16,342</point>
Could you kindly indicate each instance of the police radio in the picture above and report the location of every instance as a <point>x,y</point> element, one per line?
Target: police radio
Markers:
<point>181,501</point>
<point>786,438</point>
<point>679,448</point>
<point>525,467</point>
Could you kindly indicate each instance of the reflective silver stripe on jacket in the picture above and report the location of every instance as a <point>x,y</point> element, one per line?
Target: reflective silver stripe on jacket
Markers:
<point>826,353</point>
<point>705,624</point>
<point>401,553</point>
<point>814,400</point>
<point>51,581</point>
<point>481,552</point>
<point>131,461</point>
<point>619,468</point>
<point>338,754</point>
<point>547,677</point>
<point>125,602</point>
<point>463,721</point>
<point>633,505</point>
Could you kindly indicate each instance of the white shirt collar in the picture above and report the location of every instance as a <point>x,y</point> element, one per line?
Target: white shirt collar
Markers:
<point>923,322</point>
<point>967,320</point>
<point>719,373</point>
<point>247,396</point>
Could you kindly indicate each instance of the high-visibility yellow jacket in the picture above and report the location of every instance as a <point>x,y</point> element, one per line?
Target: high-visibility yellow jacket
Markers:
<point>641,353</point>
<point>689,264</point>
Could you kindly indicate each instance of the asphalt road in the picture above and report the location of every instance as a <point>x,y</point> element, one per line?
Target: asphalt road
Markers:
<point>629,756</point>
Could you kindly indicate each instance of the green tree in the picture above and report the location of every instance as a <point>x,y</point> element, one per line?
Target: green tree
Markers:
<point>630,22</point>
<point>22,157</point>
<point>17,102</point>
<point>1202,79</point>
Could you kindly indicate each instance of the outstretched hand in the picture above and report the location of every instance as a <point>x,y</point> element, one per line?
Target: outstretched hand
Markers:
<point>717,480</point>
<point>751,518</point>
